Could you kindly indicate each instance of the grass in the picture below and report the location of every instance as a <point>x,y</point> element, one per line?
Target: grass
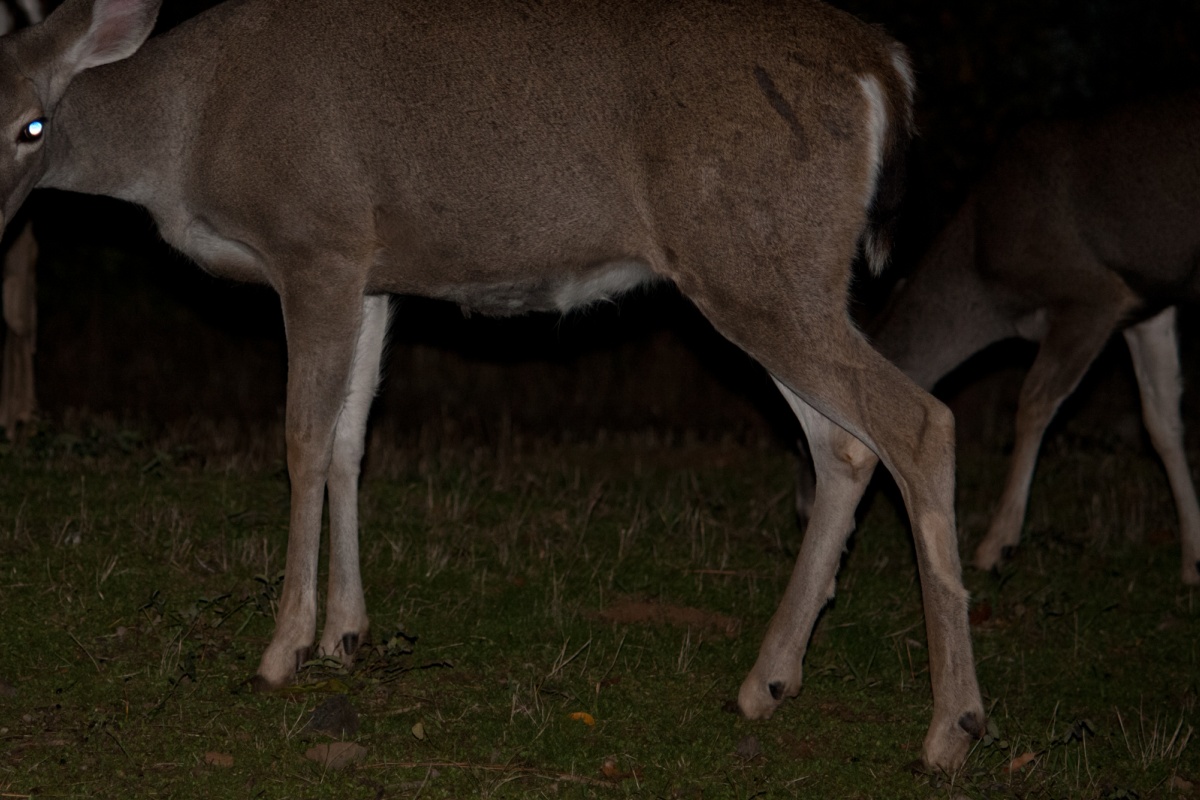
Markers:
<point>568,620</point>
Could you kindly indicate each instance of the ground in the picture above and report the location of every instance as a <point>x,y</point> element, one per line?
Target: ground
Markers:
<point>571,620</point>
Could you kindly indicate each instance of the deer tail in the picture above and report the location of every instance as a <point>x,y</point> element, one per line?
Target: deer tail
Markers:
<point>890,96</point>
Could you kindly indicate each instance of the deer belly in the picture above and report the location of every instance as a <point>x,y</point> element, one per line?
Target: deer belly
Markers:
<point>549,292</point>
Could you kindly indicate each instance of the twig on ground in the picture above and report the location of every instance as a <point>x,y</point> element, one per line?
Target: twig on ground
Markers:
<point>532,772</point>
<point>78,643</point>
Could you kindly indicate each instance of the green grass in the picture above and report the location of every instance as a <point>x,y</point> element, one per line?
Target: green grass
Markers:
<point>139,581</point>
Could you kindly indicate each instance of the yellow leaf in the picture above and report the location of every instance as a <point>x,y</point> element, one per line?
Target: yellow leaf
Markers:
<point>1020,761</point>
<point>584,717</point>
<point>418,730</point>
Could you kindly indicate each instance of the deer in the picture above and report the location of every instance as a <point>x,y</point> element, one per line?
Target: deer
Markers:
<point>1080,228</point>
<point>18,285</point>
<point>514,157</point>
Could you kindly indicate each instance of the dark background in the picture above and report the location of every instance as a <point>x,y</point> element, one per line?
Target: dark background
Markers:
<point>131,330</point>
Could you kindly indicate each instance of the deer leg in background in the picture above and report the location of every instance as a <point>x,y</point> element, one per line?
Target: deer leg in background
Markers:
<point>18,399</point>
<point>346,622</point>
<point>1154,346</point>
<point>1072,342</point>
<point>34,10</point>
<point>843,466</point>
<point>323,324</point>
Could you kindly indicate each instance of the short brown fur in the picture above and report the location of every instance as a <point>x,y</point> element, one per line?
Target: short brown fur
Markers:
<point>512,156</point>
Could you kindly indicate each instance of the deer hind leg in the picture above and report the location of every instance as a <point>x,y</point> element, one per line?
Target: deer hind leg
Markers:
<point>1071,344</point>
<point>828,367</point>
<point>323,330</point>
<point>843,466</point>
<point>1154,346</point>
<point>346,623</point>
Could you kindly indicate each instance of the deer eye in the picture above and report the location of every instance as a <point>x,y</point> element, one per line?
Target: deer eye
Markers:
<point>32,132</point>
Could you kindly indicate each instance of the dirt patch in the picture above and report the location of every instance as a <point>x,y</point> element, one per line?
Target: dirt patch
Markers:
<point>635,611</point>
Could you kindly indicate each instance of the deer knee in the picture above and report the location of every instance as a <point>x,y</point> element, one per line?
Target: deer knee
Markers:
<point>845,455</point>
<point>346,462</point>
<point>857,457</point>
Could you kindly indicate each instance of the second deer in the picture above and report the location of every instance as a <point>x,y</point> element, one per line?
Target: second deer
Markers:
<point>1080,229</point>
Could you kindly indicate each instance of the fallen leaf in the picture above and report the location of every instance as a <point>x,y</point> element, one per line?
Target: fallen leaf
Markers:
<point>1182,784</point>
<point>1020,761</point>
<point>336,755</point>
<point>584,717</point>
<point>418,730</point>
<point>631,611</point>
<point>218,759</point>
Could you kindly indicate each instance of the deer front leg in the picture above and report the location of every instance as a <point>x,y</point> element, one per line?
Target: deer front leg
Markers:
<point>1069,348</point>
<point>322,331</point>
<point>843,466</point>
<point>1154,347</point>
<point>17,396</point>
<point>346,622</point>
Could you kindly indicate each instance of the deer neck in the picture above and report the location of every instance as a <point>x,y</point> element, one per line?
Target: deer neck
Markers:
<point>115,133</point>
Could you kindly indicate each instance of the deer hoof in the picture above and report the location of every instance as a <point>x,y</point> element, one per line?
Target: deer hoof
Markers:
<point>303,656</point>
<point>278,667</point>
<point>1191,573</point>
<point>260,685</point>
<point>972,724</point>
<point>758,699</point>
<point>343,646</point>
<point>947,745</point>
<point>989,556</point>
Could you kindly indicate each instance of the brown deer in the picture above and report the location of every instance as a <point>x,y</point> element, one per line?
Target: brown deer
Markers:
<point>18,400</point>
<point>515,156</point>
<point>1079,229</point>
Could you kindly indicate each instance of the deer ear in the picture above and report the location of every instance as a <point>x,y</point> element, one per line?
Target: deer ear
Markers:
<point>82,34</point>
<point>117,29</point>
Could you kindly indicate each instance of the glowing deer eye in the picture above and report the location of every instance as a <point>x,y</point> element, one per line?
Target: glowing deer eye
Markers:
<point>33,131</point>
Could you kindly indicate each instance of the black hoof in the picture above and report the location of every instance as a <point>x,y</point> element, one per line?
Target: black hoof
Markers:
<point>303,656</point>
<point>260,685</point>
<point>972,724</point>
<point>349,644</point>
<point>918,767</point>
<point>1006,553</point>
<point>776,690</point>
